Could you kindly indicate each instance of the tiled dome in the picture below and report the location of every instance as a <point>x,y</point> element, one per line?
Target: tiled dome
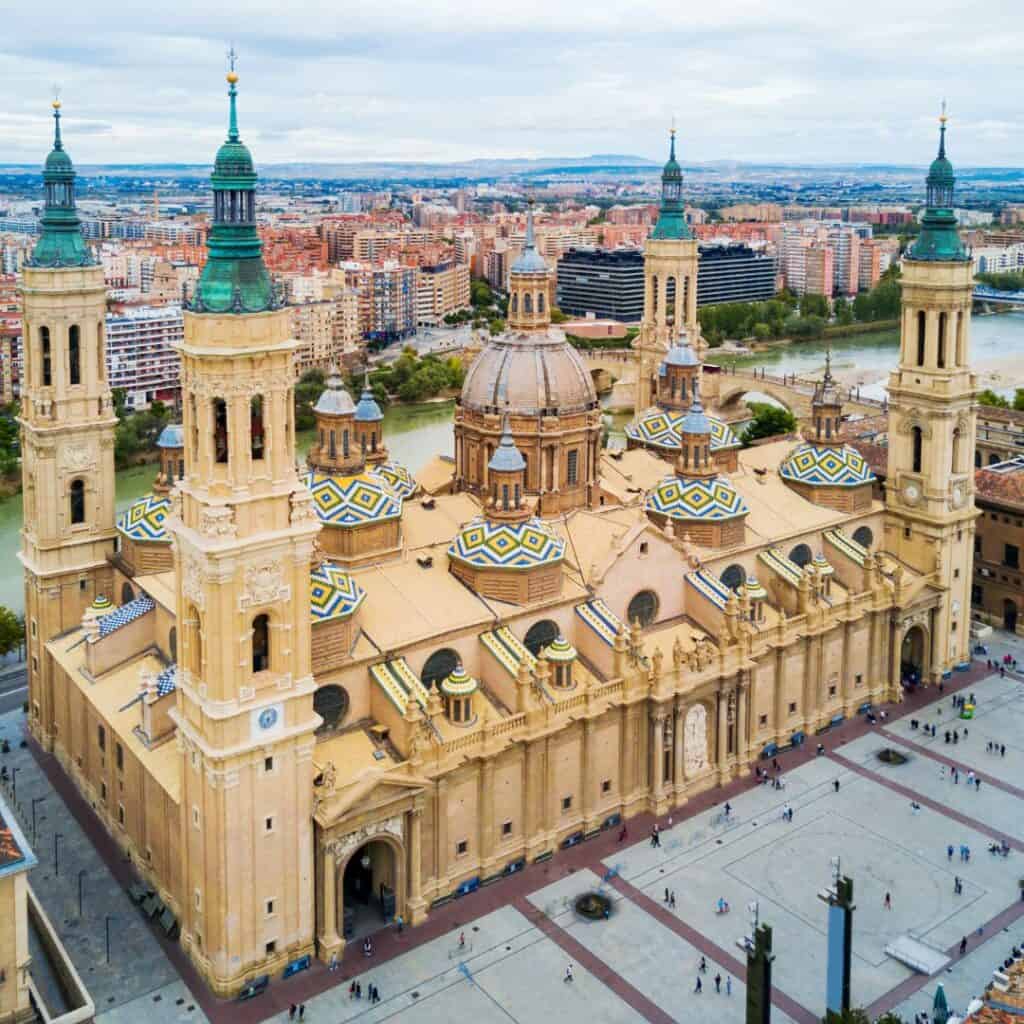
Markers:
<point>705,500</point>
<point>500,545</point>
<point>349,501</point>
<point>333,593</point>
<point>660,428</point>
<point>144,519</point>
<point>822,466</point>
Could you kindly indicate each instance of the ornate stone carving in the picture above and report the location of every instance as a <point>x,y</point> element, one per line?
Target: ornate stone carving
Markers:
<point>695,739</point>
<point>731,708</point>
<point>217,522</point>
<point>302,507</point>
<point>265,584</point>
<point>78,459</point>
<point>677,654</point>
<point>192,583</point>
<point>342,847</point>
<point>328,777</point>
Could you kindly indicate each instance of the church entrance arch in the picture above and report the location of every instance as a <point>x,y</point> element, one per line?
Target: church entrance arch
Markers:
<point>369,893</point>
<point>913,656</point>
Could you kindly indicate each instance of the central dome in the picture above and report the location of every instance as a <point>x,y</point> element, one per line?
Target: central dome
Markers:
<point>529,374</point>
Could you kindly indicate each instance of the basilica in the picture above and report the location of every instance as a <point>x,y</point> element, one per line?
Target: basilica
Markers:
<point>309,700</point>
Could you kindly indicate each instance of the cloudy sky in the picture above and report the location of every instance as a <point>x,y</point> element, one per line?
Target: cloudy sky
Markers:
<point>750,80</point>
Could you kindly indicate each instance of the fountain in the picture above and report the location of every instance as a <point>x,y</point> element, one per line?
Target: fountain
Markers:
<point>594,906</point>
<point>891,756</point>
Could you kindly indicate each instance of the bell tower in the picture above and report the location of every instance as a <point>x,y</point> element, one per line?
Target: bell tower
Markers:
<point>670,283</point>
<point>67,433</point>
<point>930,477</point>
<point>243,532</point>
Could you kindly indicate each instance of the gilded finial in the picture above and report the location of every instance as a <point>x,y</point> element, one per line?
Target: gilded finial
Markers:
<point>943,117</point>
<point>57,144</point>
<point>672,138</point>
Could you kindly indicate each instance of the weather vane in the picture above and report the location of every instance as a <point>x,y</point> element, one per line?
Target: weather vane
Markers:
<point>673,128</point>
<point>56,94</point>
<point>232,57</point>
<point>943,117</point>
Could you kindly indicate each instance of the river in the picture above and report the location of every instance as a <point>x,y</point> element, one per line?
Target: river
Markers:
<point>417,432</point>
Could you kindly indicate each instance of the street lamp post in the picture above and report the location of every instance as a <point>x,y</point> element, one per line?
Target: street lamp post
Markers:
<point>81,875</point>
<point>14,785</point>
<point>35,800</point>
<point>109,918</point>
<point>57,837</point>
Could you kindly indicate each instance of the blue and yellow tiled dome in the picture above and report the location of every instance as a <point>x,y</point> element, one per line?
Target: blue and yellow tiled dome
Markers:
<point>822,466</point>
<point>704,500</point>
<point>660,428</point>
<point>333,593</point>
<point>350,501</point>
<point>502,545</point>
<point>459,684</point>
<point>144,520</point>
<point>397,477</point>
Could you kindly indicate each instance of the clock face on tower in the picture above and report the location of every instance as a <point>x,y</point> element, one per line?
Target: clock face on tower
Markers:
<point>911,492</point>
<point>268,718</point>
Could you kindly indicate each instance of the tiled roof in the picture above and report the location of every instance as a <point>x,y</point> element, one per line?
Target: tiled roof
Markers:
<point>847,545</point>
<point>709,500</point>
<point>709,586</point>
<point>333,593</point>
<point>601,619</point>
<point>1002,483</point>
<point>660,428</point>
<point>560,650</point>
<point>822,466</point>
<point>125,614</point>
<point>508,649</point>
<point>459,684</point>
<point>496,545</point>
<point>397,477</point>
<point>776,560</point>
<point>399,683</point>
<point>349,501</point>
<point>167,681</point>
<point>144,519</point>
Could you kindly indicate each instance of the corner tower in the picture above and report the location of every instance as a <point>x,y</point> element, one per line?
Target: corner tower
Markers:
<point>67,433</point>
<point>930,476</point>
<point>243,538</point>
<point>670,282</point>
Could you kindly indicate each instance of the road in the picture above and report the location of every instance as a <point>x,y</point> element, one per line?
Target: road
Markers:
<point>13,690</point>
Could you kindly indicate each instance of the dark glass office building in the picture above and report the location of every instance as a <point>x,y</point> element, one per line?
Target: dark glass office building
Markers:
<point>734,273</point>
<point>609,284</point>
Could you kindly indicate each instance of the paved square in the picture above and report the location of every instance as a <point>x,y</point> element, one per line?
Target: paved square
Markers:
<point>642,963</point>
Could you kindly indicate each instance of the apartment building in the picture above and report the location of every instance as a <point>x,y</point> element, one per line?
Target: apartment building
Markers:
<point>441,289</point>
<point>386,298</point>
<point>142,358</point>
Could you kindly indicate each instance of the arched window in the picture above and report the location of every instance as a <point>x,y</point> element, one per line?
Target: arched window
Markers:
<point>527,303</point>
<point>74,355</point>
<point>917,443</point>
<point>256,427</point>
<point>654,294</point>
<point>863,536</point>
<point>540,635</point>
<point>172,643</point>
<point>993,459</point>
<point>540,302</point>
<point>921,322</point>
<point>220,430</point>
<point>127,593</point>
<point>194,635</point>
<point>977,460</point>
<point>733,576</point>
<point>77,501</point>
<point>942,341</point>
<point>44,349</point>
<point>670,300</point>
<point>331,704</point>
<point>101,361</point>
<point>643,608</point>
<point>373,440</point>
<point>333,451</point>
<point>800,555</point>
<point>955,461</point>
<point>344,442</point>
<point>440,665</point>
<point>321,439</point>
<point>261,643</point>
<point>515,302</point>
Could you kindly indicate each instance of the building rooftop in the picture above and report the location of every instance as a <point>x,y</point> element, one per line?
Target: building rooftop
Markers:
<point>1002,483</point>
<point>15,853</point>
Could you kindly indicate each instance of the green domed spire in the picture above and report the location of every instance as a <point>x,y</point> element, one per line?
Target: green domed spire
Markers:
<point>61,243</point>
<point>234,279</point>
<point>671,218</point>
<point>939,238</point>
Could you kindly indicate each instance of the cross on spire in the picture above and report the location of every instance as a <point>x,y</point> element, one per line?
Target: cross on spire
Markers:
<point>943,118</point>
<point>232,56</point>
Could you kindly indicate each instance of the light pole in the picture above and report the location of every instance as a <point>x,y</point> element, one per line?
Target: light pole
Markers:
<point>35,800</point>
<point>14,785</point>
<point>839,899</point>
<point>758,947</point>
<point>81,875</point>
<point>57,837</point>
<point>109,918</point>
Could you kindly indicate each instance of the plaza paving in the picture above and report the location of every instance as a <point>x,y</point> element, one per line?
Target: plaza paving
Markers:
<point>642,963</point>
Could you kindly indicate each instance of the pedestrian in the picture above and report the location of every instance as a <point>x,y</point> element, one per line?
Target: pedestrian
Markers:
<point>1002,750</point>
<point>977,784</point>
<point>291,1011</point>
<point>835,785</point>
<point>718,984</point>
<point>949,852</point>
<point>699,987</point>
<point>302,1011</point>
<point>352,989</point>
<point>333,965</point>
<point>462,940</point>
<point>888,901</point>
<point>728,984</point>
<point>965,732</point>
<point>703,968</point>
<point>963,943</point>
<point>956,885</point>
<point>400,923</point>
<point>666,895</point>
<point>942,772</point>
<point>1002,671</point>
<point>967,854</point>
<point>623,832</point>
<point>568,972</point>
<point>359,990</point>
<point>672,900</point>
<point>728,808</point>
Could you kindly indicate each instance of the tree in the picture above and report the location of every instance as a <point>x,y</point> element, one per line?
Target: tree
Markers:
<point>814,305</point>
<point>767,421</point>
<point>801,328</point>
<point>1018,399</point>
<point>762,331</point>
<point>996,401</point>
<point>496,326</point>
<point>843,311</point>
<point>307,391</point>
<point>557,316</point>
<point>1006,282</point>
<point>480,293</point>
<point>12,631</point>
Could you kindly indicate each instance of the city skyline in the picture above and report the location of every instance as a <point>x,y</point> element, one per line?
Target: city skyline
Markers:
<point>425,83</point>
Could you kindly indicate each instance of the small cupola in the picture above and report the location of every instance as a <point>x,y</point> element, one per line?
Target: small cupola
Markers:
<point>562,656</point>
<point>369,425</point>
<point>506,475</point>
<point>529,281</point>
<point>678,375</point>
<point>171,445</point>
<point>459,690</point>
<point>336,448</point>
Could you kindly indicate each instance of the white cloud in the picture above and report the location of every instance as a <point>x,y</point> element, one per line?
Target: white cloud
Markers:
<point>803,80</point>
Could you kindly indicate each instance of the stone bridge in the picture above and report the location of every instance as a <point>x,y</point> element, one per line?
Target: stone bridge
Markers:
<point>615,370</point>
<point>793,392</point>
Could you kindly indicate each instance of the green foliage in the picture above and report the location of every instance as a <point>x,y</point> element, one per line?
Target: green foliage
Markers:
<point>814,305</point>
<point>843,312</point>
<point>586,344</point>
<point>767,421</point>
<point>10,440</point>
<point>12,631</point>
<point>496,326</point>
<point>557,316</point>
<point>307,391</point>
<point>737,319</point>
<point>762,331</point>
<point>1008,282</point>
<point>413,379</point>
<point>990,398</point>
<point>480,293</point>
<point>137,432</point>
<point>802,328</point>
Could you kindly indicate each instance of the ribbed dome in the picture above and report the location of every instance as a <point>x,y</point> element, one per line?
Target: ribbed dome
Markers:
<point>172,436</point>
<point>821,466</point>
<point>528,373</point>
<point>58,160</point>
<point>335,399</point>
<point>234,161</point>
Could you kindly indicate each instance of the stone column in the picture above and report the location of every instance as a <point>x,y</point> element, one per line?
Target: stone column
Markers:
<point>486,806</point>
<point>723,741</point>
<point>586,775</point>
<point>779,709</point>
<point>657,754</point>
<point>845,683</point>
<point>443,857</point>
<point>742,693</point>
<point>417,908</point>
<point>330,940</point>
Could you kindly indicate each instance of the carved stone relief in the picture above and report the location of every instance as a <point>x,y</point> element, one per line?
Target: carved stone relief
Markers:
<point>695,739</point>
